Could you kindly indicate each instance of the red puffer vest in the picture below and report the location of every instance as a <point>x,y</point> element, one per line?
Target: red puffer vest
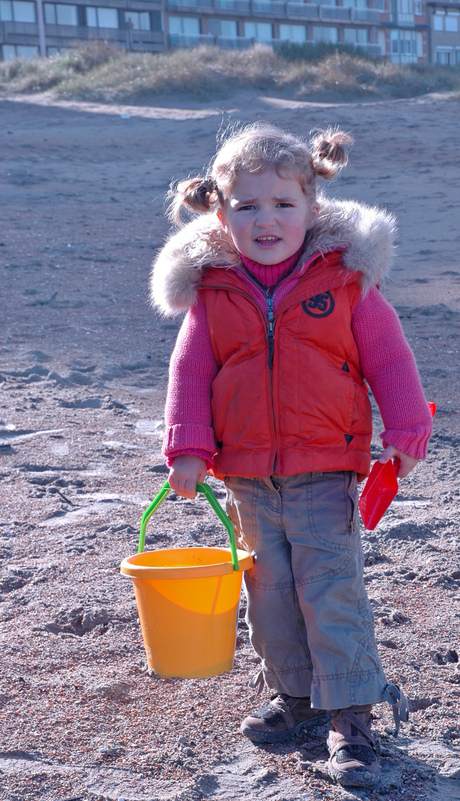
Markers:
<point>289,396</point>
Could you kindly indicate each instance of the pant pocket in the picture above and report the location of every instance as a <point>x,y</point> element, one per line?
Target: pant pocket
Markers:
<point>239,503</point>
<point>353,495</point>
<point>333,536</point>
<point>331,506</point>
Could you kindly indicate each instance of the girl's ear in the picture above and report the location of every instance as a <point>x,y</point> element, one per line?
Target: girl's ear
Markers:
<point>314,211</point>
<point>222,220</point>
<point>312,217</point>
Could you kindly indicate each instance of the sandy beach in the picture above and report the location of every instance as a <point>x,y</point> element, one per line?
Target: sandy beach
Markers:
<point>83,370</point>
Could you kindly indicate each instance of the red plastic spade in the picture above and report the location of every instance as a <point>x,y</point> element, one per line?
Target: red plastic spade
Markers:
<point>380,489</point>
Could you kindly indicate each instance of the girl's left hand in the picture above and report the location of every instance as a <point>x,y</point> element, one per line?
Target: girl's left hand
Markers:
<point>406,463</point>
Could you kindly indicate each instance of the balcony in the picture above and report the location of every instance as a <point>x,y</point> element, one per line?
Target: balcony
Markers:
<point>190,5</point>
<point>192,40</point>
<point>227,6</point>
<point>238,43</point>
<point>334,12</point>
<point>245,42</point>
<point>400,18</point>
<point>238,6</point>
<point>26,33</point>
<point>372,50</point>
<point>366,14</point>
<point>302,10</point>
<point>21,33</point>
<point>272,9</point>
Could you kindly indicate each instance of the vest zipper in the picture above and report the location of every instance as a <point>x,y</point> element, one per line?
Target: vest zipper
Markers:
<point>271,349</point>
<point>270,330</point>
<point>269,297</point>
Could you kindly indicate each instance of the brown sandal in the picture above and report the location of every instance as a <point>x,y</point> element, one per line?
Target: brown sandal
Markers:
<point>353,759</point>
<point>280,719</point>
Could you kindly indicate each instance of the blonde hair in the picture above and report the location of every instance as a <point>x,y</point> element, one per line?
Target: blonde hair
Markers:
<point>256,148</point>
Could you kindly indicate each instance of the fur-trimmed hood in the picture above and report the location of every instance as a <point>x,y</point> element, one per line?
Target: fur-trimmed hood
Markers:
<point>367,232</point>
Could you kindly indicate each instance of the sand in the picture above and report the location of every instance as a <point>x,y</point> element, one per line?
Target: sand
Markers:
<point>83,372</point>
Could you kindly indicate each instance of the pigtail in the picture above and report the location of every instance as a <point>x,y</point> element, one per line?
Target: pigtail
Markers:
<point>194,194</point>
<point>329,152</point>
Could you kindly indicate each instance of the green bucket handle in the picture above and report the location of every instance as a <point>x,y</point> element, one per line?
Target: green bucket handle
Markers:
<point>208,493</point>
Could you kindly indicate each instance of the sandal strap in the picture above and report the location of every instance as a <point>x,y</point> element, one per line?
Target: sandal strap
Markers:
<point>343,742</point>
<point>355,720</point>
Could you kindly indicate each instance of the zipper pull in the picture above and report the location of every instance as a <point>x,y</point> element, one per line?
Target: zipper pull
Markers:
<point>270,330</point>
<point>271,344</point>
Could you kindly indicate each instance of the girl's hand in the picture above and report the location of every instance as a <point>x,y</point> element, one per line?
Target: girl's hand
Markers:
<point>406,463</point>
<point>186,472</point>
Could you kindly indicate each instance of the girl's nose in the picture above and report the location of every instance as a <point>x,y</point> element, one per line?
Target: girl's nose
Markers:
<point>265,218</point>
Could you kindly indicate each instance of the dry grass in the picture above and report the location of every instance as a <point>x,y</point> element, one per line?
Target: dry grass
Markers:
<point>97,72</point>
<point>356,76</point>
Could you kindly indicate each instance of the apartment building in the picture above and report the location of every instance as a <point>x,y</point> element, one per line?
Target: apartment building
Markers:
<point>444,27</point>
<point>396,30</point>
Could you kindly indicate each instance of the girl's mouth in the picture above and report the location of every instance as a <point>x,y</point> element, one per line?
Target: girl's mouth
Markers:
<point>267,241</point>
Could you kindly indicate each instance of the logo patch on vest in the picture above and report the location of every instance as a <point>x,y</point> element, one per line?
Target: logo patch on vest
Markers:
<point>320,305</point>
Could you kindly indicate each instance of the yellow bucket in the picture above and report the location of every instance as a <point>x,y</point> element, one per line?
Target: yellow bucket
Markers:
<point>187,600</point>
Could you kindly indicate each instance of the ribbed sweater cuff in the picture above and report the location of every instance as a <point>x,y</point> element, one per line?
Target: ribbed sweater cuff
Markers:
<point>414,442</point>
<point>189,438</point>
<point>202,454</point>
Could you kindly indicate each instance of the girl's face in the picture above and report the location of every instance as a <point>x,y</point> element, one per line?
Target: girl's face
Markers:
<point>267,215</point>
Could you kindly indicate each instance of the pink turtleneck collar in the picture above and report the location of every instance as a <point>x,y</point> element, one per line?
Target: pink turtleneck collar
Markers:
<point>270,274</point>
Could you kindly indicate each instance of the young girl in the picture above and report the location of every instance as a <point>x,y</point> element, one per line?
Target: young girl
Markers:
<point>285,324</point>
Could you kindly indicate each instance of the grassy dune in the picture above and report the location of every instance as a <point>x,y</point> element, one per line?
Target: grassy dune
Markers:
<point>96,72</point>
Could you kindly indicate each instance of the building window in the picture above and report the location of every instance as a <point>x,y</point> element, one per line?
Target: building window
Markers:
<point>156,20</point>
<point>405,6</point>
<point>229,4</point>
<point>19,51</point>
<point>355,3</point>
<point>403,11</point>
<point>403,46</point>
<point>138,20</point>
<point>418,7</point>
<point>260,31</point>
<point>445,57</point>
<point>189,26</point>
<point>228,28</point>
<point>322,33</point>
<point>6,11</point>
<point>97,17</point>
<point>451,22</point>
<point>446,22</point>
<point>60,14</point>
<point>293,33</point>
<point>17,11</point>
<point>356,36</point>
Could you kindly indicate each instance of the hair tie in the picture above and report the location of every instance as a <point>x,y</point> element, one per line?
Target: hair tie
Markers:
<point>324,149</point>
<point>209,184</point>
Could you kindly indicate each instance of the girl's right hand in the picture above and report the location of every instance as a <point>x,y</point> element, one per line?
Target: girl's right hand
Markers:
<point>186,472</point>
<point>406,462</point>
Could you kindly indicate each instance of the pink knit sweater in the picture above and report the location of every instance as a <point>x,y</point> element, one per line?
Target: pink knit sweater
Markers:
<point>387,364</point>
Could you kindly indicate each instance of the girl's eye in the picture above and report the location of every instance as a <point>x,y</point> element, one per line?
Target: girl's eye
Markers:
<point>285,205</point>
<point>249,207</point>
